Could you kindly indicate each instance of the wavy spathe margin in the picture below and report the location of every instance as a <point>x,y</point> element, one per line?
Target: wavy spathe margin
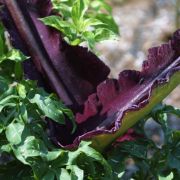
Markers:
<point>118,104</point>
<point>113,105</point>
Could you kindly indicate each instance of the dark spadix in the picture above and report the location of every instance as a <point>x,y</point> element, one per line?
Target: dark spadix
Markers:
<point>104,108</point>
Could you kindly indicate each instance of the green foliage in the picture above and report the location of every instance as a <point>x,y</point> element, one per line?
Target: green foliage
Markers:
<point>26,152</point>
<point>81,21</point>
<point>6,52</point>
<point>148,160</point>
<point>22,97</point>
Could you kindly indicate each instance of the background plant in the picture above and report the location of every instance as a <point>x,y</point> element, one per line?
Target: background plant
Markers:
<point>83,21</point>
<point>144,158</point>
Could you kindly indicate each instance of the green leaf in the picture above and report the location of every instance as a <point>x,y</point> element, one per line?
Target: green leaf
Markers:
<point>50,175</point>
<point>176,136</point>
<point>18,70</point>
<point>135,149</point>
<point>102,34</point>
<point>23,114</point>
<point>174,161</point>
<point>82,21</point>
<point>56,22</point>
<point>16,55</point>
<point>109,23</point>
<point>32,147</point>
<point>40,168</point>
<point>7,119</point>
<point>1,128</point>
<point>50,108</point>
<point>76,172</point>
<point>3,84</point>
<point>14,133</point>
<point>98,5</point>
<point>3,47</point>
<point>89,37</point>
<point>78,10</point>
<point>7,101</point>
<point>75,42</point>
<point>29,149</point>
<point>64,7</point>
<point>21,90</point>
<point>66,27</point>
<point>6,148</point>
<point>63,174</point>
<point>116,160</point>
<point>92,154</point>
<point>13,55</point>
<point>52,155</point>
<point>15,171</point>
<point>169,177</point>
<point>90,22</point>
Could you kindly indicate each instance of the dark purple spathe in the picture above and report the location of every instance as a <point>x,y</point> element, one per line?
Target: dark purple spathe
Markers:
<point>82,83</point>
